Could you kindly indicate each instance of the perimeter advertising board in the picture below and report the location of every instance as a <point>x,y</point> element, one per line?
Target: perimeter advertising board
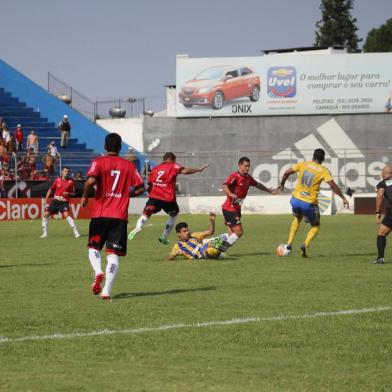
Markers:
<point>28,209</point>
<point>284,84</point>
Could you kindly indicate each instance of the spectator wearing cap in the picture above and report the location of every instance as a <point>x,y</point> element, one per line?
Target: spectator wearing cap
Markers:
<point>65,131</point>
<point>32,142</point>
<point>19,136</point>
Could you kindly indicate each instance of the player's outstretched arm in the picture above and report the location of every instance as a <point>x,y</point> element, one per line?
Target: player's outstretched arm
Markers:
<point>88,185</point>
<point>338,191</point>
<point>174,253</point>
<point>211,227</point>
<point>262,187</point>
<point>379,200</point>
<point>191,170</point>
<point>285,176</point>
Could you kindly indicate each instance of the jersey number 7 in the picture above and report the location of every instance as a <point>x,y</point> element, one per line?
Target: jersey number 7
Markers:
<point>117,174</point>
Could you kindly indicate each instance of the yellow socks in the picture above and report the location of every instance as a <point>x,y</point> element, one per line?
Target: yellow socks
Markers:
<point>313,231</point>
<point>293,229</point>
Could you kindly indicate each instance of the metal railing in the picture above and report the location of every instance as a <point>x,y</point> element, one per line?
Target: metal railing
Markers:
<point>69,95</point>
<point>101,109</point>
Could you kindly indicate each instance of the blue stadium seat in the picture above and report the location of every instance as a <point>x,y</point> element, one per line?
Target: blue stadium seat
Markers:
<point>77,156</point>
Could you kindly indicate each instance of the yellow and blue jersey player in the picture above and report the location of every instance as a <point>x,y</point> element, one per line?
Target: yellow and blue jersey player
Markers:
<point>304,201</point>
<point>193,246</point>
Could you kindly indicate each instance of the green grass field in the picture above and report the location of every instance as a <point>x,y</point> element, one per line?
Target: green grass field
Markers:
<point>45,290</point>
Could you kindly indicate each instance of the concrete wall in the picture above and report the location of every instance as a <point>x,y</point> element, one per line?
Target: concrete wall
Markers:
<point>130,130</point>
<point>357,146</point>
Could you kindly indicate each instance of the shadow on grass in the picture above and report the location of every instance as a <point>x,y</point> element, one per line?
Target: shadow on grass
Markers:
<point>8,266</point>
<point>152,293</point>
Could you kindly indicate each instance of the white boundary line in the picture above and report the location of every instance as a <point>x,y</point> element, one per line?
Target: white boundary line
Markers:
<point>60,336</point>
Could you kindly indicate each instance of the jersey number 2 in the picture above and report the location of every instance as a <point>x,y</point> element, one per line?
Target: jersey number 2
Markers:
<point>117,174</point>
<point>160,174</point>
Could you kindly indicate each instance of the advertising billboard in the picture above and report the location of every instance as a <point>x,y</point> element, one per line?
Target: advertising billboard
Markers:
<point>29,209</point>
<point>284,84</point>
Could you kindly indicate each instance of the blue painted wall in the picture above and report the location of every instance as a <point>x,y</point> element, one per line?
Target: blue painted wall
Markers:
<point>52,108</point>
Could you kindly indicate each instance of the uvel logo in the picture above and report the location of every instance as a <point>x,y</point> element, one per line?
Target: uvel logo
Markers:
<point>282,82</point>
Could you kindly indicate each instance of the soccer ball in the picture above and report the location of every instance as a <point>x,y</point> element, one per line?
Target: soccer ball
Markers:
<point>283,250</point>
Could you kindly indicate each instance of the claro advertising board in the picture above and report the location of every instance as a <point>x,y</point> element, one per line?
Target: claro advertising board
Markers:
<point>28,209</point>
<point>284,84</point>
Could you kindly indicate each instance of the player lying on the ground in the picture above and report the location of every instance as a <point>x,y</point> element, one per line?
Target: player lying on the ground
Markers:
<point>63,188</point>
<point>191,245</point>
<point>384,192</point>
<point>162,194</point>
<point>305,196</point>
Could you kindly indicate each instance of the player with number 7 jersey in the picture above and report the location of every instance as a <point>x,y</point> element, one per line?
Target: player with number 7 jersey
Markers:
<point>112,177</point>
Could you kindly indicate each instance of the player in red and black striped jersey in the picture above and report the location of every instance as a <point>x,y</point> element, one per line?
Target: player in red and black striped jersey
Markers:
<point>63,188</point>
<point>384,195</point>
<point>162,194</point>
<point>113,177</point>
<point>236,188</point>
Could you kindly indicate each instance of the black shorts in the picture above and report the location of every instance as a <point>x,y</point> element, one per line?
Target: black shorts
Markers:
<point>57,206</point>
<point>110,232</point>
<point>153,206</point>
<point>387,221</point>
<point>232,218</point>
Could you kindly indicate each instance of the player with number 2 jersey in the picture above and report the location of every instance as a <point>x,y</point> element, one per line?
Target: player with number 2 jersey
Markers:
<point>162,194</point>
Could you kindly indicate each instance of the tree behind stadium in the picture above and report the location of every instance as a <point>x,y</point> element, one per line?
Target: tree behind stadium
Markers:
<point>337,26</point>
<point>379,39</point>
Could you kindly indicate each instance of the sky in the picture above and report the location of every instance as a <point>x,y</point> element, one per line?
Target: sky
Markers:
<point>127,48</point>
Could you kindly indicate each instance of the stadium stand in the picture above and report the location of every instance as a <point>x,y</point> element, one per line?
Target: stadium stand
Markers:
<point>13,112</point>
<point>24,102</point>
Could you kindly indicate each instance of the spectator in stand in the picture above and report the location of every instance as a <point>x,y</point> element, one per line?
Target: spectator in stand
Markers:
<point>65,131</point>
<point>4,157</point>
<point>2,190</point>
<point>23,169</point>
<point>12,145</point>
<point>52,150</point>
<point>3,149</point>
<point>6,138</point>
<point>7,173</point>
<point>19,136</point>
<point>132,157</point>
<point>33,175</point>
<point>3,125</point>
<point>48,162</point>
<point>32,142</point>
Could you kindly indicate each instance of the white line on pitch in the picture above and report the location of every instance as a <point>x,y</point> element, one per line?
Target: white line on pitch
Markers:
<point>248,320</point>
